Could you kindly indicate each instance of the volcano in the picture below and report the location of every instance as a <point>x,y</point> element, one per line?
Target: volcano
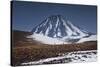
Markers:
<point>57,30</point>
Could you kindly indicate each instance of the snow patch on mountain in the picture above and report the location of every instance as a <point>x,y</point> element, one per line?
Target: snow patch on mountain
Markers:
<point>91,38</point>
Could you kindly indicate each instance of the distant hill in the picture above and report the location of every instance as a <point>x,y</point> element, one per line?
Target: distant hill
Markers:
<point>18,36</point>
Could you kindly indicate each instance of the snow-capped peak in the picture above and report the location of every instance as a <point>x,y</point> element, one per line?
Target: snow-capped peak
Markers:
<point>56,27</point>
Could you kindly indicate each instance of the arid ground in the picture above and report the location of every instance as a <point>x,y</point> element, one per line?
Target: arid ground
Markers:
<point>24,51</point>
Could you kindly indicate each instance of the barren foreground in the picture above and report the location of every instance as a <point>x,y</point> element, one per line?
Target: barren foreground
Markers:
<point>29,52</point>
<point>69,57</point>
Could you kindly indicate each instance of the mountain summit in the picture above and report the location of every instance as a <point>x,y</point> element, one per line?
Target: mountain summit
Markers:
<point>57,30</point>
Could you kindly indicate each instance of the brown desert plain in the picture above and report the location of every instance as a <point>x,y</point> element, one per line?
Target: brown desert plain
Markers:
<point>23,50</point>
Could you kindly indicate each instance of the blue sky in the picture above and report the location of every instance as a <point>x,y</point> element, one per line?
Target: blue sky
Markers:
<point>26,15</point>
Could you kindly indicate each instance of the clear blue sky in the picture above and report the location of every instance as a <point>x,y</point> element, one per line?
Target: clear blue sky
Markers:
<point>26,15</point>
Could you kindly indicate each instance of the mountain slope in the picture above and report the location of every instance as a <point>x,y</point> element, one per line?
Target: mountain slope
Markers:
<point>55,29</point>
<point>55,26</point>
